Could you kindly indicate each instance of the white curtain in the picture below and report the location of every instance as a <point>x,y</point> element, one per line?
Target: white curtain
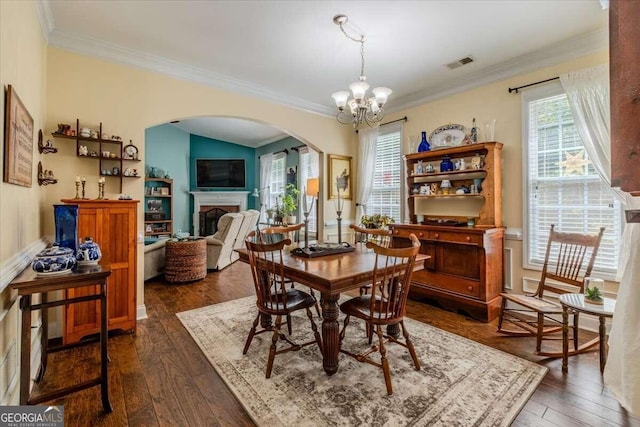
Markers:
<point>265,182</point>
<point>367,145</point>
<point>588,94</point>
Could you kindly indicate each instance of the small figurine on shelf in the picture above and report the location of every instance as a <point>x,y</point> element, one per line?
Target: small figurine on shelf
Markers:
<point>473,135</point>
<point>83,150</point>
<point>477,161</point>
<point>419,168</point>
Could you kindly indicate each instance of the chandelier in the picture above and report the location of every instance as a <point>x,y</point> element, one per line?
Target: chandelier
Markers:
<point>361,108</point>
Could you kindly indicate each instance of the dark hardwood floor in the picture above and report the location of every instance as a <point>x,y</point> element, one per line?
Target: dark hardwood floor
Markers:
<point>159,376</point>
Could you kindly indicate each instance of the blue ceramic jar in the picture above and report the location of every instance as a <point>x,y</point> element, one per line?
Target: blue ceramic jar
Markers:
<point>446,164</point>
<point>88,252</point>
<point>54,260</point>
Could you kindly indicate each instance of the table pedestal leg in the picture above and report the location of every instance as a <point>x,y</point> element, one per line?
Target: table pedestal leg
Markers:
<point>393,330</point>
<point>565,338</point>
<point>330,332</point>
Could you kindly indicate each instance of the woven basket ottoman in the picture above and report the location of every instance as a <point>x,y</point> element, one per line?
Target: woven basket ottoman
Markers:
<point>186,260</point>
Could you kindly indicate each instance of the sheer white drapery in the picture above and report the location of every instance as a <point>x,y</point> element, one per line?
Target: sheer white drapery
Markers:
<point>588,94</point>
<point>265,181</point>
<point>367,144</point>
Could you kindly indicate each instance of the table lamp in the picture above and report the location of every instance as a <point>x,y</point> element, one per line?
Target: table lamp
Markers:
<point>312,189</point>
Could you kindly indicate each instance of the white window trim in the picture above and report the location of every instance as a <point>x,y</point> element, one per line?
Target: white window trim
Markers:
<point>548,90</point>
<point>392,128</point>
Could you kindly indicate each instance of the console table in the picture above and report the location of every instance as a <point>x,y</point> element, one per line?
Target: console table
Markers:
<point>27,284</point>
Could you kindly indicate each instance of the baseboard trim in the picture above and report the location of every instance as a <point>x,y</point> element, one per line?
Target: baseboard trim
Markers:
<point>141,312</point>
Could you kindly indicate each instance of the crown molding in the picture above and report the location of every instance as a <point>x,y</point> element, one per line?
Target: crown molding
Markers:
<point>548,56</point>
<point>45,17</point>
<point>178,70</point>
<point>560,52</point>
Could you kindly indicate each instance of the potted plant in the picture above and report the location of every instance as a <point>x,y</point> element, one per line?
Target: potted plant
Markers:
<point>593,295</point>
<point>289,204</point>
<point>376,221</point>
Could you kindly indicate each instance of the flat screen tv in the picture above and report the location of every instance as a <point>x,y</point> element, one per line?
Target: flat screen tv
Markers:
<point>220,173</point>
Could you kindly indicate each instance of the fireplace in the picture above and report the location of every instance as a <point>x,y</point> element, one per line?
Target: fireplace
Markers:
<point>204,201</point>
<point>209,216</point>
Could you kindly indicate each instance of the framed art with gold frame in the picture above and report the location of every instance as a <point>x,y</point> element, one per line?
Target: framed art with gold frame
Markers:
<point>340,174</point>
<point>18,141</point>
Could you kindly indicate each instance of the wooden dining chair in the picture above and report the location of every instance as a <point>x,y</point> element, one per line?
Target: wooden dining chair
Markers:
<point>287,231</point>
<point>386,305</point>
<point>274,297</point>
<point>569,259</point>
<point>379,236</point>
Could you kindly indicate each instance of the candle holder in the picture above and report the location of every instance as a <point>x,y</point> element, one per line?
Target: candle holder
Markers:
<point>77,196</point>
<point>100,190</point>
<point>83,195</point>
<point>339,205</point>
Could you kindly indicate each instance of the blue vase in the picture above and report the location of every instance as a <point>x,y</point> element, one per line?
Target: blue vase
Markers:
<point>66,218</point>
<point>446,164</point>
<point>424,144</point>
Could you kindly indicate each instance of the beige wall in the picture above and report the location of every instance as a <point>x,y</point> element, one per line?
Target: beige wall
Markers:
<point>488,102</point>
<point>22,65</point>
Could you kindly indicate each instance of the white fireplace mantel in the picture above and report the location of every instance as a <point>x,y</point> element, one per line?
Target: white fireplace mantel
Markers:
<point>216,198</point>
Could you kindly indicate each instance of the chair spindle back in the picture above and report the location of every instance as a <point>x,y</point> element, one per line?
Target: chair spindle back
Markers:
<point>267,268</point>
<point>569,258</point>
<point>392,280</point>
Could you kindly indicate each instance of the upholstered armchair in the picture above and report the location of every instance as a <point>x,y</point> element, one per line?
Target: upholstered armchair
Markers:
<point>249,222</point>
<point>220,246</point>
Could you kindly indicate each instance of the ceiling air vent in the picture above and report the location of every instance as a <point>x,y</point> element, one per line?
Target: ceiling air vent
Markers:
<point>460,62</point>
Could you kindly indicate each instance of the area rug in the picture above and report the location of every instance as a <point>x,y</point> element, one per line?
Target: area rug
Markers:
<point>462,383</point>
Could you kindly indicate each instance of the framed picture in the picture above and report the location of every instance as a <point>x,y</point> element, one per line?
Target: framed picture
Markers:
<point>340,177</point>
<point>18,141</point>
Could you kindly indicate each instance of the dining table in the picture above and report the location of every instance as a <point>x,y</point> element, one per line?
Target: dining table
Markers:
<point>332,275</point>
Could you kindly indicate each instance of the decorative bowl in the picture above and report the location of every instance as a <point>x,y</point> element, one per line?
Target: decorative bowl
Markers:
<point>54,260</point>
<point>88,252</point>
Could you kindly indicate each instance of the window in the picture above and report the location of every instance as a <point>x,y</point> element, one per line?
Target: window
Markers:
<point>309,169</point>
<point>562,186</point>
<point>278,178</point>
<point>386,195</point>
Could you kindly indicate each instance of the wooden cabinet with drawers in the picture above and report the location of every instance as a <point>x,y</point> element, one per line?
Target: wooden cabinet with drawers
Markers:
<point>112,224</point>
<point>465,271</point>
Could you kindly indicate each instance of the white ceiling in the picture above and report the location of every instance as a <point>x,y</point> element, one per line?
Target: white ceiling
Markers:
<point>291,52</point>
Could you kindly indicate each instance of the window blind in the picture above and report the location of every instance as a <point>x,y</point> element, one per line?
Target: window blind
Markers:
<point>386,195</point>
<point>563,187</point>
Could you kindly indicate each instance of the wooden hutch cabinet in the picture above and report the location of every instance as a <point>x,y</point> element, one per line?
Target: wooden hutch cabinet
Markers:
<point>466,268</point>
<point>112,225</point>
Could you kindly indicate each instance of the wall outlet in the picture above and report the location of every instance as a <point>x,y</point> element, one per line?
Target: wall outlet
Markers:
<point>140,237</point>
